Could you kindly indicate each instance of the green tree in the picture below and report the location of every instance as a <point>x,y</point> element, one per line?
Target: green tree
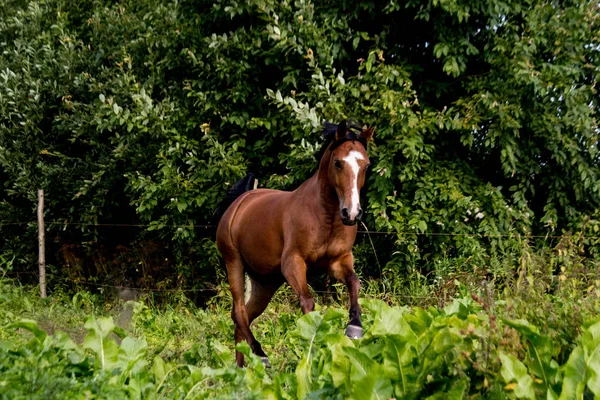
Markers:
<point>144,112</point>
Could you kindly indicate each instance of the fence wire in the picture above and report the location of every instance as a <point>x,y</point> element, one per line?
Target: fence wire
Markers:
<point>185,290</point>
<point>360,231</point>
<point>210,226</point>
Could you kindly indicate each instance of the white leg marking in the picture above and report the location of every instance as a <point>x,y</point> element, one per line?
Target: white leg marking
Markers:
<point>352,160</point>
<point>248,288</point>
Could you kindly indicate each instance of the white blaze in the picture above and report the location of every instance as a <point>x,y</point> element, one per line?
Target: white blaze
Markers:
<point>352,161</point>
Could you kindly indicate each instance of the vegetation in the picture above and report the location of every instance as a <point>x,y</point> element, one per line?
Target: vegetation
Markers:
<point>143,112</point>
<point>136,116</point>
<point>479,345</point>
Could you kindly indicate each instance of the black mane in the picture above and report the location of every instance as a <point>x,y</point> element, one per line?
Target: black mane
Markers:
<point>329,132</point>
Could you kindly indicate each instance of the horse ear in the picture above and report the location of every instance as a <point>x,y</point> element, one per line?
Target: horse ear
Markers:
<point>367,134</point>
<point>342,130</point>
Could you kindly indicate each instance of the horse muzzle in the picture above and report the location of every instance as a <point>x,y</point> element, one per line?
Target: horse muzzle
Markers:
<point>347,219</point>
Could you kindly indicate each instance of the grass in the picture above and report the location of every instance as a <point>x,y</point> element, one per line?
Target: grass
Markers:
<point>553,296</point>
<point>172,330</point>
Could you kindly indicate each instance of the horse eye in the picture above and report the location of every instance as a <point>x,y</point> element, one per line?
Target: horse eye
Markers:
<point>337,164</point>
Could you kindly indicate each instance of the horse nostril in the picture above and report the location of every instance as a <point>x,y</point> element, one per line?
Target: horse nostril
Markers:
<point>360,214</point>
<point>345,214</point>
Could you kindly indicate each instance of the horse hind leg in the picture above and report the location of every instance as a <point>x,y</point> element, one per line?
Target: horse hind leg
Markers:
<point>260,296</point>
<point>239,314</point>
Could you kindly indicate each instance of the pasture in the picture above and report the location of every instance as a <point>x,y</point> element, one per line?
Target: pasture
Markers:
<point>485,342</point>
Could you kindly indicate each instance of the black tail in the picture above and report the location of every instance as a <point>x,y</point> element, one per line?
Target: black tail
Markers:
<point>242,186</point>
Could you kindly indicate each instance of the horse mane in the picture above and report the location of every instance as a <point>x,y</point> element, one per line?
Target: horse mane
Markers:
<point>240,187</point>
<point>329,132</point>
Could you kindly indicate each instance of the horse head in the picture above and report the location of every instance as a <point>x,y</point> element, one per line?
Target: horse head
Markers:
<point>348,162</point>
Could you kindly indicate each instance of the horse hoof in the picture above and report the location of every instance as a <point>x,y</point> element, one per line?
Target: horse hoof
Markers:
<point>265,361</point>
<point>354,331</point>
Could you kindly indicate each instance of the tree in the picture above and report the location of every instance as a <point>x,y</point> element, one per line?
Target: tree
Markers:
<point>486,117</point>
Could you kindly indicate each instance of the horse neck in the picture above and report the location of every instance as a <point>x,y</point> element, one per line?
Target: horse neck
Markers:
<point>320,188</point>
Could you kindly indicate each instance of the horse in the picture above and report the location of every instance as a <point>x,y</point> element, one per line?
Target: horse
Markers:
<point>275,236</point>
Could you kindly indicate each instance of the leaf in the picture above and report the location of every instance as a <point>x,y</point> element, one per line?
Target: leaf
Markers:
<point>522,326</point>
<point>311,329</point>
<point>303,375</point>
<point>514,371</point>
<point>224,354</point>
<point>574,373</point>
<point>31,326</point>
<point>540,351</point>
<point>311,326</point>
<point>340,365</point>
<point>74,353</point>
<point>132,354</point>
<point>458,307</point>
<point>360,362</point>
<point>512,368</point>
<point>419,320</point>
<point>444,340</point>
<point>398,357</point>
<point>387,321</point>
<point>590,341</point>
<point>159,369</point>
<point>181,205</point>
<point>458,390</point>
<point>372,386</point>
<point>97,340</point>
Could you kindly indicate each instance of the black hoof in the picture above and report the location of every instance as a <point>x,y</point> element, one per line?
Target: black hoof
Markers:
<point>354,331</point>
<point>265,361</point>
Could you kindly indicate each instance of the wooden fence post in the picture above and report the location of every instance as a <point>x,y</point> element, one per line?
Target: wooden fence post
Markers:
<point>42,244</point>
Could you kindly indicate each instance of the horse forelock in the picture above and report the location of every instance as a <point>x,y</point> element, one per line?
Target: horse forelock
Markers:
<point>350,136</point>
<point>353,134</point>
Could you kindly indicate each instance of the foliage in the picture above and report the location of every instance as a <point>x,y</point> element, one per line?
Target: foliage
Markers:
<point>469,349</point>
<point>143,112</point>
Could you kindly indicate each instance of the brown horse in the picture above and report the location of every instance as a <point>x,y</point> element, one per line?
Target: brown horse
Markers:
<point>275,236</point>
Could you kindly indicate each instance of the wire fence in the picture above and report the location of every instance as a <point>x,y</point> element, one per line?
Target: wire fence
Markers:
<point>118,287</point>
<point>193,290</point>
<point>360,231</point>
<point>210,226</point>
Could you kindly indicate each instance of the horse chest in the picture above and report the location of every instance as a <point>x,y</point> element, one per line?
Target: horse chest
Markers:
<point>327,248</point>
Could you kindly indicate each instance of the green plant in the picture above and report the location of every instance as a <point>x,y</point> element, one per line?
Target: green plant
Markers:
<point>144,112</point>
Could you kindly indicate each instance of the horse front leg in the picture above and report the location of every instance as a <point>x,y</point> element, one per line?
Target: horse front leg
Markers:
<point>354,329</point>
<point>342,269</point>
<point>293,268</point>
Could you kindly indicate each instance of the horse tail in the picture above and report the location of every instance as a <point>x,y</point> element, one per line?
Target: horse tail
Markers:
<point>242,186</point>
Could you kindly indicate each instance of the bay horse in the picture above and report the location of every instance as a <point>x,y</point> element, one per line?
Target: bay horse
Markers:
<point>275,236</point>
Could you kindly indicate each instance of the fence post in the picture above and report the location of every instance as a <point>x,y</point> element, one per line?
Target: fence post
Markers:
<point>42,244</point>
